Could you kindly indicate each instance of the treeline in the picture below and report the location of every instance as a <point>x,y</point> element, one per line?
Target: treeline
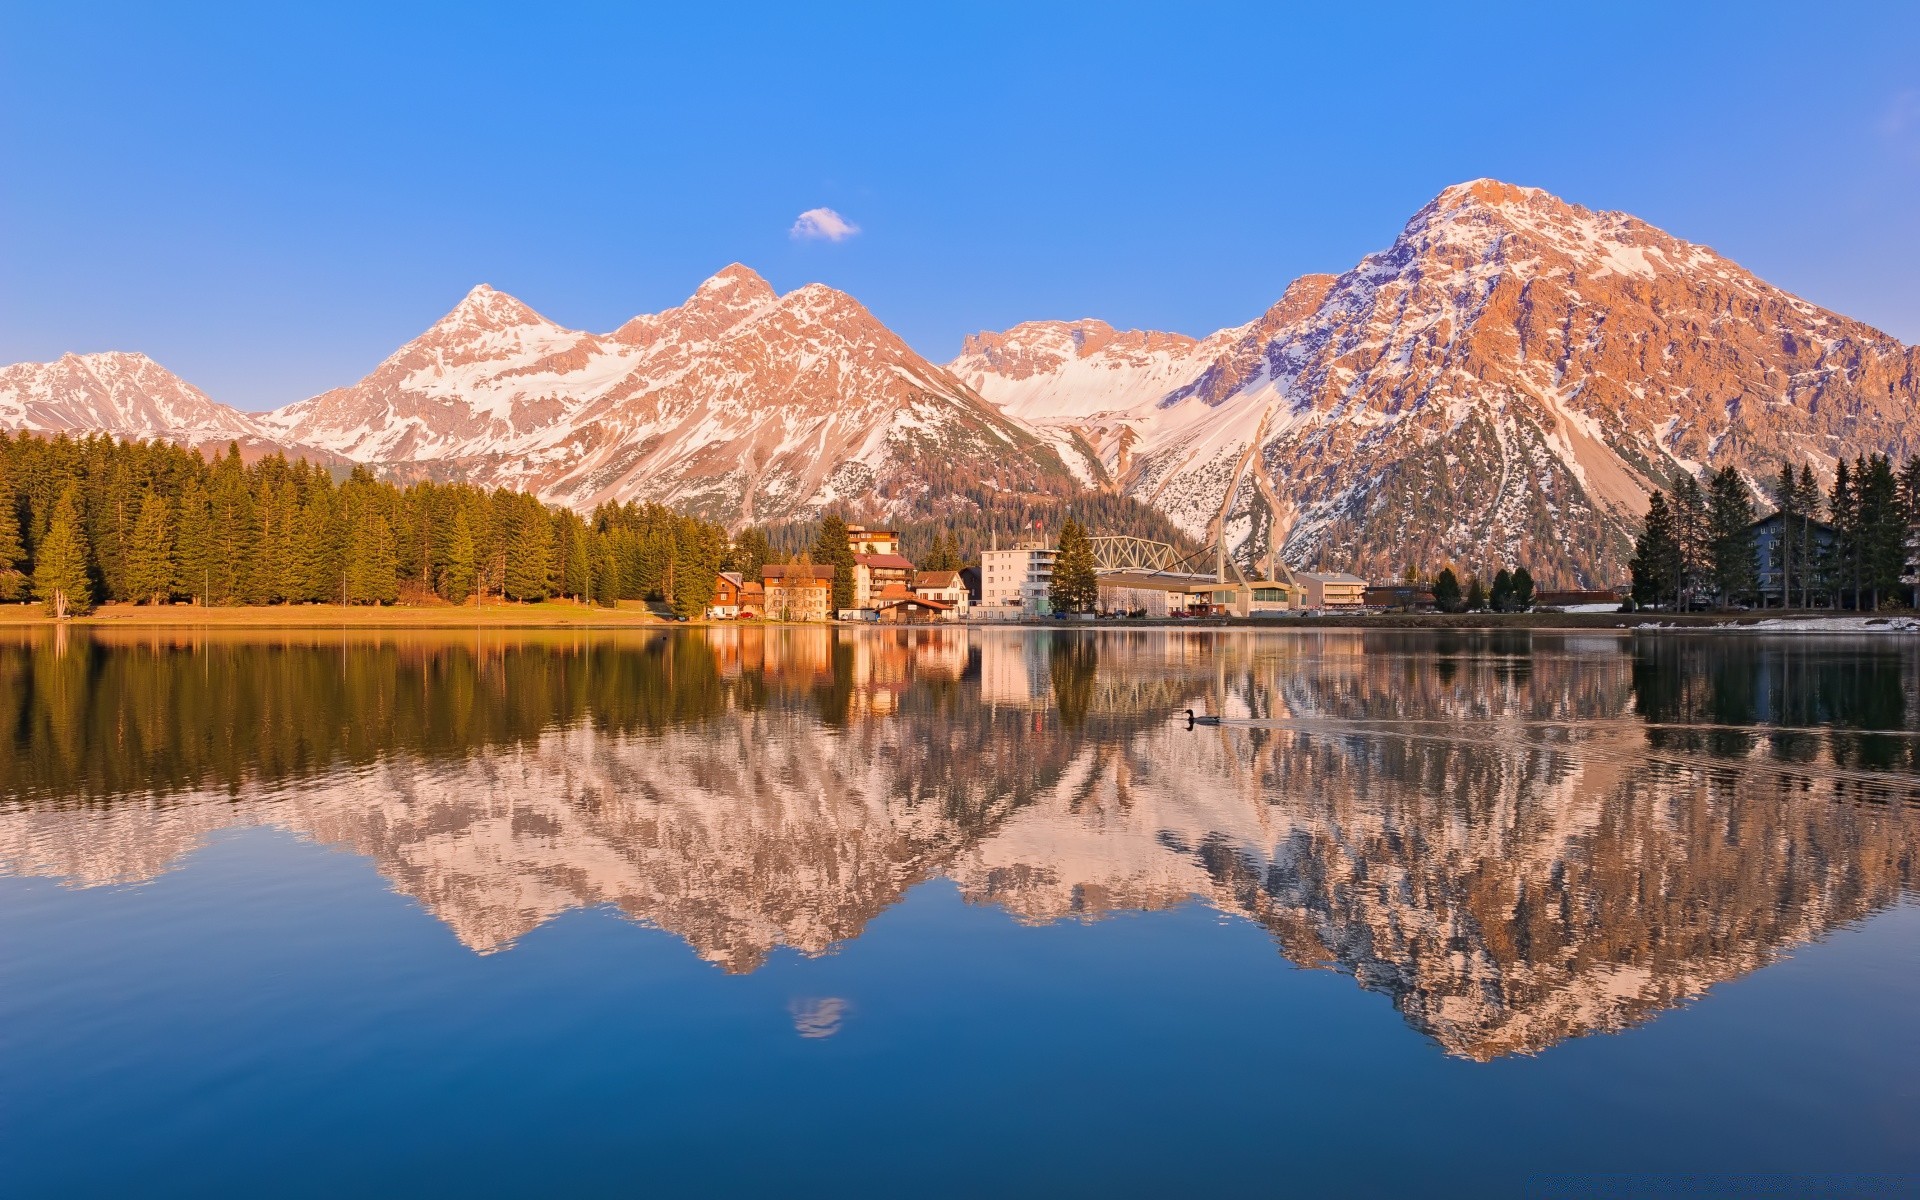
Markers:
<point>972,515</point>
<point>1699,546</point>
<point>95,519</point>
<point>1512,591</point>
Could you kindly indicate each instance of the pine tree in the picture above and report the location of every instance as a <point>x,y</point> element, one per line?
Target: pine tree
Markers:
<point>831,547</point>
<point>194,545</point>
<point>606,576</point>
<point>61,574</point>
<point>150,560</point>
<point>942,555</point>
<point>1841,568</point>
<point>1500,596</point>
<point>1693,535</point>
<point>1910,514</point>
<point>1806,502</point>
<point>1883,529</point>
<point>457,577</point>
<point>1446,591</point>
<point>13,552</point>
<point>1656,556</point>
<point>1075,585</point>
<point>529,552</point>
<point>575,576</point>
<point>1733,558</point>
<point>1522,589</point>
<point>373,575</point>
<point>750,552</point>
<point>1476,595</point>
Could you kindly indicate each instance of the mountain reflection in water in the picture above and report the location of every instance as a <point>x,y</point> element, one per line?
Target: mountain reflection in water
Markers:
<point>1518,837</point>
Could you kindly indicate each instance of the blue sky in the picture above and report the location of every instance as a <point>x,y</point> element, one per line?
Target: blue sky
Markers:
<point>270,198</point>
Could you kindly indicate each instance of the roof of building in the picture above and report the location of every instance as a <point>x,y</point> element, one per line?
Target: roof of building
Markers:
<point>936,579</point>
<point>797,571</point>
<point>913,601</point>
<point>895,591</point>
<point>884,561</point>
<point>733,577</point>
<point>750,588</point>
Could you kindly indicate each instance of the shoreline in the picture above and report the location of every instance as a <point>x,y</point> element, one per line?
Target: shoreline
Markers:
<point>633,615</point>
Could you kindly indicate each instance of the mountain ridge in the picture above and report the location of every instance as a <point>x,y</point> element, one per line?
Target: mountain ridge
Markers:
<point>1506,382</point>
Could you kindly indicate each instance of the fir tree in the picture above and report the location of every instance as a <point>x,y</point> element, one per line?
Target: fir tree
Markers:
<point>529,551</point>
<point>1883,529</point>
<point>1500,596</point>
<point>1446,591</point>
<point>1841,563</point>
<point>1733,559</point>
<point>150,561</point>
<point>942,555</point>
<point>575,576</point>
<point>61,574</point>
<point>372,567</point>
<point>831,547</point>
<point>457,577</point>
<point>1692,534</point>
<point>194,545</point>
<point>1476,595</point>
<point>750,552</point>
<point>13,552</point>
<point>1522,589</point>
<point>1075,585</point>
<point>1807,503</point>
<point>1656,562</point>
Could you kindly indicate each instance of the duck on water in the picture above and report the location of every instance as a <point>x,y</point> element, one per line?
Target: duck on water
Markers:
<point>1193,720</point>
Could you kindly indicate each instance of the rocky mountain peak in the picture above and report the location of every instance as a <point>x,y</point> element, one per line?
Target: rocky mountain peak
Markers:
<point>487,310</point>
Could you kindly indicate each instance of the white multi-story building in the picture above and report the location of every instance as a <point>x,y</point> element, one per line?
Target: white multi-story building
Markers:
<point>1017,578</point>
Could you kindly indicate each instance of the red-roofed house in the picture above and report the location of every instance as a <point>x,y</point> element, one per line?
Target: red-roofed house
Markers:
<point>944,587</point>
<point>874,573</point>
<point>798,592</point>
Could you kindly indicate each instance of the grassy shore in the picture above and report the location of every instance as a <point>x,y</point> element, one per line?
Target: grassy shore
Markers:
<point>558,614</point>
<point>554,614</point>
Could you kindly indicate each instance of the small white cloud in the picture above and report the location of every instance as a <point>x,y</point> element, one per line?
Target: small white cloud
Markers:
<point>822,224</point>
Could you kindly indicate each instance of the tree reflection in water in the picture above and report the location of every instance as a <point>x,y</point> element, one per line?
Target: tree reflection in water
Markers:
<point>1519,837</point>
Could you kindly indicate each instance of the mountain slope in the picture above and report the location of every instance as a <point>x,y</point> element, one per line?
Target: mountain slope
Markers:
<point>128,396</point>
<point>1505,383</point>
<point>741,405</point>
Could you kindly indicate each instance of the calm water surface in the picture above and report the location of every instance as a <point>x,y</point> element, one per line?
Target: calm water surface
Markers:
<point>953,912</point>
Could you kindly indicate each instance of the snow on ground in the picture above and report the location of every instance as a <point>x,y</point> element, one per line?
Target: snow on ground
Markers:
<point>1808,625</point>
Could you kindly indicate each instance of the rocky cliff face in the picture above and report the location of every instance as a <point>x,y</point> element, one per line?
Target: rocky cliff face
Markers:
<point>1505,384</point>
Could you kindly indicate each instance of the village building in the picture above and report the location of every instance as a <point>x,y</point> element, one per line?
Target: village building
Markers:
<point>1018,578</point>
<point>862,540</point>
<point>875,573</point>
<point>735,596</point>
<point>798,591</point>
<point>898,605</point>
<point>1771,544</point>
<point>946,588</point>
<point>1332,591</point>
<point>1401,597</point>
<point>727,587</point>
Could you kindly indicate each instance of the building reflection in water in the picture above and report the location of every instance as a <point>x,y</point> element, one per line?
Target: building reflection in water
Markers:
<point>1520,838</point>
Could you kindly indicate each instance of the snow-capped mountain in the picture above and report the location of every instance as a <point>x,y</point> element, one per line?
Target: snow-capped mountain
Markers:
<point>741,404</point>
<point>129,396</point>
<point>1506,383</point>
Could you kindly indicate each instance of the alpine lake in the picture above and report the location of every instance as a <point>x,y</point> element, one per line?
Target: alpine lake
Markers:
<point>953,911</point>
